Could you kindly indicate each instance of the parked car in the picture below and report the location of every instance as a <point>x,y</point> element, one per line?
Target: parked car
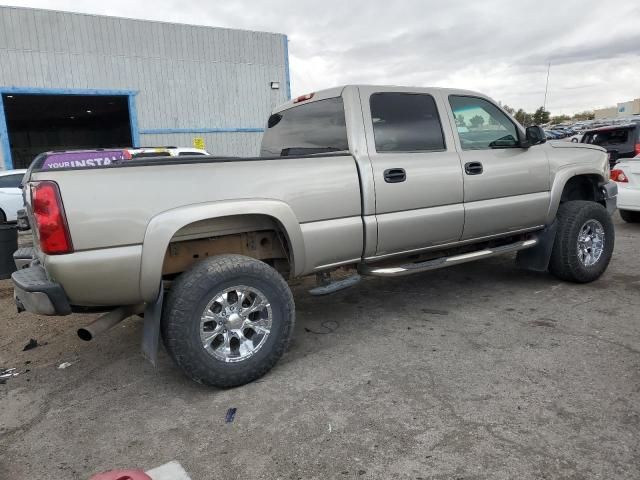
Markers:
<point>620,141</point>
<point>627,174</point>
<point>560,133</point>
<point>10,194</point>
<point>550,135</point>
<point>149,152</point>
<point>391,181</point>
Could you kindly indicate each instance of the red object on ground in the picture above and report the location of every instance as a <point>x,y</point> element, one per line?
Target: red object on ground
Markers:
<point>122,475</point>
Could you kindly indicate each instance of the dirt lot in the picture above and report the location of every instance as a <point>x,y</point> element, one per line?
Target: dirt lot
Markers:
<point>478,371</point>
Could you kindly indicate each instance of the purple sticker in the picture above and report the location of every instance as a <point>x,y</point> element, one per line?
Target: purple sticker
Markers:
<point>84,159</point>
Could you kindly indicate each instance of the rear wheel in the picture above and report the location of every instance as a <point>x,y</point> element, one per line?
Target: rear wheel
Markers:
<point>630,216</point>
<point>228,320</point>
<point>584,242</point>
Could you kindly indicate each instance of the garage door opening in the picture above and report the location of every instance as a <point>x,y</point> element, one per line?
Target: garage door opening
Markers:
<point>38,123</point>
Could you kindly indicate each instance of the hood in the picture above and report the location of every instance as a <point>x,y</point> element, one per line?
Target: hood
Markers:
<point>576,145</point>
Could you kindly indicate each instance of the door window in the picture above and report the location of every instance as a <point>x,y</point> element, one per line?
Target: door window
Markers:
<point>406,122</point>
<point>482,125</point>
<point>11,181</point>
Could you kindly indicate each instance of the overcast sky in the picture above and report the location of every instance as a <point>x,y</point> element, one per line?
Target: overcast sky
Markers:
<point>499,47</point>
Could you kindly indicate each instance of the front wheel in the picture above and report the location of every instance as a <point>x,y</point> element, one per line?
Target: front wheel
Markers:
<point>228,320</point>
<point>584,242</point>
<point>630,216</point>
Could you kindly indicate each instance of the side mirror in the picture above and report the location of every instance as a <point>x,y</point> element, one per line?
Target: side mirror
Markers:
<point>534,136</point>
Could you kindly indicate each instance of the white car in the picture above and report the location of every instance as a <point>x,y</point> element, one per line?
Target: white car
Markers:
<point>626,174</point>
<point>10,194</point>
<point>146,152</point>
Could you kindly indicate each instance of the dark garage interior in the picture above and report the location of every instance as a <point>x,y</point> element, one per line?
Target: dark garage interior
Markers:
<point>39,123</point>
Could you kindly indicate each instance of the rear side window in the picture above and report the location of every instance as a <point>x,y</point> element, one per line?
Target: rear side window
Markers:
<point>11,181</point>
<point>618,136</point>
<point>405,122</point>
<point>316,127</point>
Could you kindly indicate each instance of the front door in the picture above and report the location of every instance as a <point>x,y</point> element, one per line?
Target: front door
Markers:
<point>416,169</point>
<point>506,187</point>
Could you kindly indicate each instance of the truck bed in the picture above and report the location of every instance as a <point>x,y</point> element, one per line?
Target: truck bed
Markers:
<point>110,208</point>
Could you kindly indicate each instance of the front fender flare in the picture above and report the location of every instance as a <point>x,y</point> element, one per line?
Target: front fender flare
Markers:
<point>164,225</point>
<point>560,180</point>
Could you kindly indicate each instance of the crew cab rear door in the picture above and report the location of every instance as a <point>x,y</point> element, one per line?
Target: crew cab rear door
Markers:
<point>506,187</point>
<point>416,169</point>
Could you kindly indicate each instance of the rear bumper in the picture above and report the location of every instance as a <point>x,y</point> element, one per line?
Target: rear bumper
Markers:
<point>35,293</point>
<point>610,194</point>
<point>629,198</point>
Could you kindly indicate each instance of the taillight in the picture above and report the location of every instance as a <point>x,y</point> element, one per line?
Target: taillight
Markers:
<point>48,212</point>
<point>618,175</point>
<point>637,148</point>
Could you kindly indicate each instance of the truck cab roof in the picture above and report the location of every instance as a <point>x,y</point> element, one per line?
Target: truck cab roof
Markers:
<point>337,91</point>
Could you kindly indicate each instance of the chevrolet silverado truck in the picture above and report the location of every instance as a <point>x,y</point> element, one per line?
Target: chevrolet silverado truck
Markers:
<point>386,181</point>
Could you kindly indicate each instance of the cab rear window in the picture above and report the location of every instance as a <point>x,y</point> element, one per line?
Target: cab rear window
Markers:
<point>316,127</point>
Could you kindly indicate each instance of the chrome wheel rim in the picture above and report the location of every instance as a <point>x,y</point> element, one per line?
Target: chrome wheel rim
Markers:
<point>590,243</point>
<point>235,323</point>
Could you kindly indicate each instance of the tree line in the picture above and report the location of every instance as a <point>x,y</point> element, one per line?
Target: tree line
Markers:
<point>542,116</point>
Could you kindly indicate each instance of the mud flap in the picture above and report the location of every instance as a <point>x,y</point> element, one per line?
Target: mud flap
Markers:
<point>151,328</point>
<point>537,258</point>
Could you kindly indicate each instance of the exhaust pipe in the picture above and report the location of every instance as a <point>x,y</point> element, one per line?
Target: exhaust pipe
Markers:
<point>108,320</point>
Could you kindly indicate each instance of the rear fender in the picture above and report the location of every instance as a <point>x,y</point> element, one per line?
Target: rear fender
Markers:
<point>163,227</point>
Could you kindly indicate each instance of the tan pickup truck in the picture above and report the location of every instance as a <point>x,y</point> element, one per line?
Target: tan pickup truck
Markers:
<point>388,180</point>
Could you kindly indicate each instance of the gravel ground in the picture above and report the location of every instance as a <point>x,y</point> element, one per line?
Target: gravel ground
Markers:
<point>480,371</point>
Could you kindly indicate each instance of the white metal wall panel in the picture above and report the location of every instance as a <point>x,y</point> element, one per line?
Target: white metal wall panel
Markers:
<point>235,144</point>
<point>187,77</point>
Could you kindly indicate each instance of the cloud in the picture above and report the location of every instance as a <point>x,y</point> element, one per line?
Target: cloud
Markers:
<point>606,49</point>
<point>499,47</point>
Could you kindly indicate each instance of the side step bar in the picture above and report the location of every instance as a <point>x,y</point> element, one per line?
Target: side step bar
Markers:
<point>335,286</point>
<point>409,268</point>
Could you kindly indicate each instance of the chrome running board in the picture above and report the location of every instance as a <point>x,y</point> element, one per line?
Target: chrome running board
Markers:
<point>409,268</point>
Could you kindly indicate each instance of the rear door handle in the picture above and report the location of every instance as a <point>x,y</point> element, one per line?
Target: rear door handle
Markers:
<point>395,175</point>
<point>473,168</point>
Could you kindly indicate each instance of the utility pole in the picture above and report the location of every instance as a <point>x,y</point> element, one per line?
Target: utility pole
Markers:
<point>546,88</point>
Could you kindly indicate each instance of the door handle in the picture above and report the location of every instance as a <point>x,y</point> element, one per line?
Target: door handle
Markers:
<point>473,168</point>
<point>395,175</point>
